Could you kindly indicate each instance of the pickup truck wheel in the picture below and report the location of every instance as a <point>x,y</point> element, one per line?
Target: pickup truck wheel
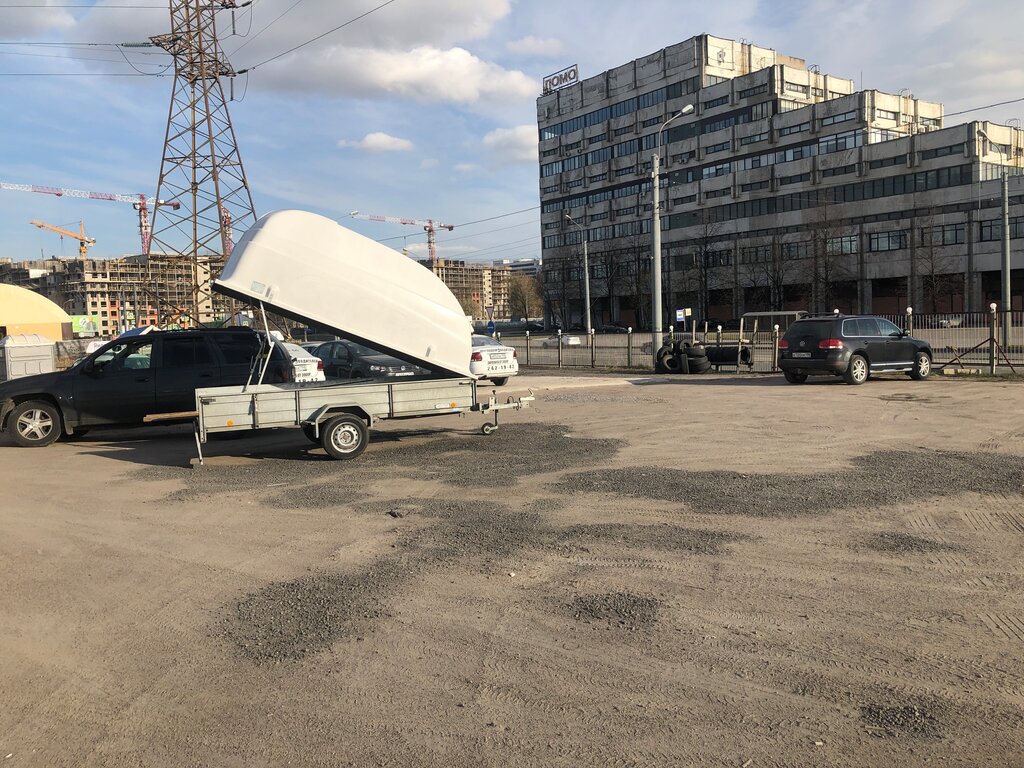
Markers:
<point>344,437</point>
<point>34,424</point>
<point>922,367</point>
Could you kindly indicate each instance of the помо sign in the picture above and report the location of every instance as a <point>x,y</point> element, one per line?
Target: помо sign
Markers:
<point>568,76</point>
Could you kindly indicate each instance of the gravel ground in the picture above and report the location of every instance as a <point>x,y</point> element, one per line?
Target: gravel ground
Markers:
<point>909,720</point>
<point>619,609</point>
<point>894,542</point>
<point>880,478</point>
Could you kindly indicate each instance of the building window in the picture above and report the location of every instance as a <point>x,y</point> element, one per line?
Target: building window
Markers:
<point>570,147</point>
<point>625,171</point>
<point>549,190</point>
<point>797,88</point>
<point>885,114</point>
<point>788,106</point>
<point>842,170</point>
<point>754,186</point>
<point>993,230</point>
<point>716,102</point>
<point>799,250</point>
<point>720,147</point>
<point>931,122</point>
<point>626,211</point>
<point>842,117</point>
<point>840,142</point>
<point>598,216</point>
<point>712,171</point>
<point>756,254</point>
<point>572,184</point>
<point>549,152</point>
<point>597,177</point>
<point>887,161</point>
<point>953,149</point>
<point>684,200</point>
<point>552,225</point>
<point>597,139</point>
<point>761,111</point>
<point>757,89</point>
<point>649,122</point>
<point>754,139</point>
<point>818,92</point>
<point>713,193</point>
<point>622,131</point>
<point>944,234</point>
<point>798,128</point>
<point>841,245</point>
<point>797,179</point>
<point>887,241</point>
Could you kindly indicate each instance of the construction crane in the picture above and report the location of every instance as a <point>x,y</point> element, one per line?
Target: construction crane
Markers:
<point>139,202</point>
<point>429,226</point>
<point>84,242</point>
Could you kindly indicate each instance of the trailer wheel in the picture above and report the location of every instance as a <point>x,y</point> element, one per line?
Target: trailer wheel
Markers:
<point>488,428</point>
<point>344,436</point>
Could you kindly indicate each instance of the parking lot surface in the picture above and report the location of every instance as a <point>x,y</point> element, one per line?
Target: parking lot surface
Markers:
<point>636,571</point>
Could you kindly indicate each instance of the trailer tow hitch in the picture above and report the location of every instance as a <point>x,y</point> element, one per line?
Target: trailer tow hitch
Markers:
<point>492,406</point>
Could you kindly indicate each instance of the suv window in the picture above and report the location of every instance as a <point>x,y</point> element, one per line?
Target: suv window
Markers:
<point>238,349</point>
<point>867,326</point>
<point>186,352</point>
<point>130,355</point>
<point>885,328</point>
<point>816,329</point>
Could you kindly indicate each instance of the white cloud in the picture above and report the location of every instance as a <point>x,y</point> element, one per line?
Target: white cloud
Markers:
<point>26,23</point>
<point>465,167</point>
<point>424,74</point>
<point>536,46</point>
<point>513,145</point>
<point>378,142</point>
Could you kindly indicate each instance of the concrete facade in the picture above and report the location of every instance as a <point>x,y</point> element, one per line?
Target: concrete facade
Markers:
<point>784,189</point>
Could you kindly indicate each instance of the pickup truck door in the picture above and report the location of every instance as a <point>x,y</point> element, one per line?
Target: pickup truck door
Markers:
<point>116,386</point>
<point>184,364</point>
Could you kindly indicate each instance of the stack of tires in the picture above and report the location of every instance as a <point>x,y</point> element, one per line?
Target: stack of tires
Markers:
<point>683,357</point>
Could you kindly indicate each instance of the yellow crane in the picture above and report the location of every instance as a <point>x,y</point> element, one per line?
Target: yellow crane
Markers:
<point>84,242</point>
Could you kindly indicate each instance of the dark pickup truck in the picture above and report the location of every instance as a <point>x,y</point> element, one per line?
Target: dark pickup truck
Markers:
<point>144,379</point>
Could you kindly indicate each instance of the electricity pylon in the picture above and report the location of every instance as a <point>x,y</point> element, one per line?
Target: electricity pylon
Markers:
<point>201,169</point>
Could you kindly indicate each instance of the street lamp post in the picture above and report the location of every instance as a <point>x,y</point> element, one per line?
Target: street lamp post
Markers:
<point>586,272</point>
<point>656,310</point>
<point>1006,272</point>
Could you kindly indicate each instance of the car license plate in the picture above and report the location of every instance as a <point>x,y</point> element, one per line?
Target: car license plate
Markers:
<point>502,357</point>
<point>801,354</point>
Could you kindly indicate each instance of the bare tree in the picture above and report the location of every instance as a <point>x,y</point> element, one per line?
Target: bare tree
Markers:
<point>936,267</point>
<point>525,295</point>
<point>832,244</point>
<point>556,286</point>
<point>700,274</point>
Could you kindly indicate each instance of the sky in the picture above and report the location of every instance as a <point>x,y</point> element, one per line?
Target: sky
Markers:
<point>419,109</point>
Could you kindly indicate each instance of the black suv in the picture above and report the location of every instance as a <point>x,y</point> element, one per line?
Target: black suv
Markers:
<point>151,378</point>
<point>851,346</point>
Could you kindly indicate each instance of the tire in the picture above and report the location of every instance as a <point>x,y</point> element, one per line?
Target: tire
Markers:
<point>34,424</point>
<point>344,436</point>
<point>672,364</point>
<point>699,365</point>
<point>857,371</point>
<point>922,367</point>
<point>501,381</point>
<point>310,433</point>
<point>795,378</point>
<point>697,350</point>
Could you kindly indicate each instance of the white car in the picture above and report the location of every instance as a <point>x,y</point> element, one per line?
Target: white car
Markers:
<point>567,340</point>
<point>492,360</point>
<point>305,365</point>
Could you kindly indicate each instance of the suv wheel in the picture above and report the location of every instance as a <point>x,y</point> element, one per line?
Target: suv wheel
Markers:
<point>795,378</point>
<point>922,367</point>
<point>857,371</point>
<point>34,424</point>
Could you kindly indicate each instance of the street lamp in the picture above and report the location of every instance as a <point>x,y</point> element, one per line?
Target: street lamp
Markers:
<point>586,270</point>
<point>656,235</point>
<point>1007,305</point>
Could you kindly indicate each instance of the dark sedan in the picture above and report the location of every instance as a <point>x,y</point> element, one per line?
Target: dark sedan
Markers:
<point>348,360</point>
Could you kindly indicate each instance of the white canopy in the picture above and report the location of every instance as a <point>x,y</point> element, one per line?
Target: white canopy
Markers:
<point>312,269</point>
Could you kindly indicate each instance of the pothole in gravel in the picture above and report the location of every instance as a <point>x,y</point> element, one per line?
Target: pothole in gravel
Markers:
<point>877,479</point>
<point>625,610</point>
<point>288,620</point>
<point>456,458</point>
<point>907,720</point>
<point>907,544</point>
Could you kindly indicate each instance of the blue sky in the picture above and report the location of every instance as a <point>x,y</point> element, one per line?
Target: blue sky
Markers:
<point>423,109</point>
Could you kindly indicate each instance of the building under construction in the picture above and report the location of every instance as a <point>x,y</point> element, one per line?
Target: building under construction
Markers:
<point>476,286</point>
<point>122,293</point>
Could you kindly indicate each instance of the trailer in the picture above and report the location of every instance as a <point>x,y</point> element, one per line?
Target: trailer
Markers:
<point>312,270</point>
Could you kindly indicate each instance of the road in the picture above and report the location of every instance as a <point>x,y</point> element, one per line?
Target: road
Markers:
<point>639,571</point>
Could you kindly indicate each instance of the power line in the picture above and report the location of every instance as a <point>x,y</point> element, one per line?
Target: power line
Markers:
<point>470,223</point>
<point>80,74</point>
<point>987,106</point>
<point>318,37</point>
<point>79,5</point>
<point>272,23</point>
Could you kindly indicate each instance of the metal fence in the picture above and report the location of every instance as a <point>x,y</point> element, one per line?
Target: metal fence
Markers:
<point>973,340</point>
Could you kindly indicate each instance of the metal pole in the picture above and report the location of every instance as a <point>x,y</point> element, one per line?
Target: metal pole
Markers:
<point>992,340</point>
<point>656,253</point>
<point>586,285</point>
<point>1007,304</point>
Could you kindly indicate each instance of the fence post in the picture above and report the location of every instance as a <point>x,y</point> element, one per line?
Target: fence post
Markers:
<point>593,349</point>
<point>775,344</point>
<point>629,347</point>
<point>497,335</point>
<point>559,347</point>
<point>527,347</point>
<point>910,320</point>
<point>992,339</point>
<point>718,343</point>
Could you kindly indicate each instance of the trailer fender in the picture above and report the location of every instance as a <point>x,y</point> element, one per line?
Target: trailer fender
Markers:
<point>326,412</point>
